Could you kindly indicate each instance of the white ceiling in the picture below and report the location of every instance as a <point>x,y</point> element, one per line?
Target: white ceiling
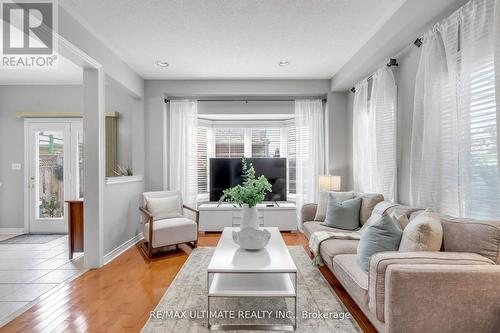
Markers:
<point>234,39</point>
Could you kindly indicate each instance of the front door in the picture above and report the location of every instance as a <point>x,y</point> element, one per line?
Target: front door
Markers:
<point>53,171</point>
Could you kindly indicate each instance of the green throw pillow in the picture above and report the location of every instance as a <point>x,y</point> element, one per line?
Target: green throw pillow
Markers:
<point>381,235</point>
<point>342,214</point>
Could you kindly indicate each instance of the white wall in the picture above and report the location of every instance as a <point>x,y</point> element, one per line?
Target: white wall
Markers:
<point>156,91</point>
<point>25,98</point>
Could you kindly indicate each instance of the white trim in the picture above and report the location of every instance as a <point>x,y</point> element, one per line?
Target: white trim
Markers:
<point>165,146</point>
<point>11,231</point>
<point>26,177</point>
<point>124,179</point>
<point>326,120</point>
<point>113,254</point>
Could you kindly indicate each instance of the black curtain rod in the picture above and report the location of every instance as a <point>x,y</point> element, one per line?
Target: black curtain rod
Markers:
<point>392,62</point>
<point>167,100</point>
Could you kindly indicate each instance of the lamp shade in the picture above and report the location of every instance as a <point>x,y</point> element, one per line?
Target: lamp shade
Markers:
<point>329,183</point>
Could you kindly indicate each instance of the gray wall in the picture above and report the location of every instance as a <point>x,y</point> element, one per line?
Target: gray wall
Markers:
<point>340,132</point>
<point>27,99</point>
<point>156,91</point>
<point>121,213</point>
<point>122,200</point>
<point>405,81</point>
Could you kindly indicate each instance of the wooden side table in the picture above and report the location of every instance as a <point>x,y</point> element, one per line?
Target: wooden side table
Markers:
<point>75,226</point>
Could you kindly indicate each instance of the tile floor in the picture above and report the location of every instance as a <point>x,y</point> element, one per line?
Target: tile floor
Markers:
<point>29,272</point>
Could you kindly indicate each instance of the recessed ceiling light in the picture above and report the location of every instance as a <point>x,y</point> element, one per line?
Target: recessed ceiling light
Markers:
<point>162,63</point>
<point>284,63</point>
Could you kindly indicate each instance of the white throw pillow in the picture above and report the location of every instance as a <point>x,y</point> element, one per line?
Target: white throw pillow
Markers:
<point>423,233</point>
<point>164,208</point>
<point>323,202</point>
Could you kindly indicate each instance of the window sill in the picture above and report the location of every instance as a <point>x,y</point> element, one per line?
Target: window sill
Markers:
<point>124,179</point>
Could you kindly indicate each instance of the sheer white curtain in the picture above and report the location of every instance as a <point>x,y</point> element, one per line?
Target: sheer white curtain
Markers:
<point>183,126</point>
<point>374,135</point>
<point>310,150</point>
<point>454,157</point>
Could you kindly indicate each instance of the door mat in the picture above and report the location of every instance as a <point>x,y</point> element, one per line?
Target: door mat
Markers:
<point>32,239</point>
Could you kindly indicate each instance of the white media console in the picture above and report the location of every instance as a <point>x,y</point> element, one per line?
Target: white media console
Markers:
<point>214,217</point>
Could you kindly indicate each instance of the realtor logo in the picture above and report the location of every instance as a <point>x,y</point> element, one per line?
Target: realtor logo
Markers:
<point>28,34</point>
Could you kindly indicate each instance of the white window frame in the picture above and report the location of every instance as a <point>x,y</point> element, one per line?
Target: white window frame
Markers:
<point>283,125</point>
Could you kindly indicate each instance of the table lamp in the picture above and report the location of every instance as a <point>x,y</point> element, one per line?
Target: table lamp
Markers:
<point>329,183</point>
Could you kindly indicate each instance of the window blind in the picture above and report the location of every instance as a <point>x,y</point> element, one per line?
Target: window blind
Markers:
<point>292,160</point>
<point>266,142</point>
<point>480,156</point>
<point>229,142</point>
<point>202,159</point>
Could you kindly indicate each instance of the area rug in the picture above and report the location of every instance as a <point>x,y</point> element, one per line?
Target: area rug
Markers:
<point>183,307</point>
<point>32,239</point>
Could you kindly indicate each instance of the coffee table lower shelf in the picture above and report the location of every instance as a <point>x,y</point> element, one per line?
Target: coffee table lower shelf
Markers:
<point>253,284</point>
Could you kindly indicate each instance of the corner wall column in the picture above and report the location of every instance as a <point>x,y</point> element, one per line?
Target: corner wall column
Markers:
<point>93,164</point>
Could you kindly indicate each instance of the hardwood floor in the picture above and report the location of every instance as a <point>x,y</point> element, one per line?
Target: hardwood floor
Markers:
<point>119,296</point>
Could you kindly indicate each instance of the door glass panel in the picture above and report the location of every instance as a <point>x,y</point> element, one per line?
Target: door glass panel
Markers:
<point>50,174</point>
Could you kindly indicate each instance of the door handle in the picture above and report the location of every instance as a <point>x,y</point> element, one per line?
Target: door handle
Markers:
<point>32,182</point>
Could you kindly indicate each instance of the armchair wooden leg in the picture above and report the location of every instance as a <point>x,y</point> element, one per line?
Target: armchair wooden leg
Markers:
<point>195,244</point>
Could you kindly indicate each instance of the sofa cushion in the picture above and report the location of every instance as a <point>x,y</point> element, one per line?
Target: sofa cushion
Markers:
<point>380,262</point>
<point>423,233</point>
<point>171,231</point>
<point>342,214</point>
<point>323,202</point>
<point>351,276</point>
<point>333,247</point>
<point>469,235</point>
<point>369,201</point>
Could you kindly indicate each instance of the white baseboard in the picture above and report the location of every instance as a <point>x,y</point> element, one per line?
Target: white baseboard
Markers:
<point>11,231</point>
<point>122,248</point>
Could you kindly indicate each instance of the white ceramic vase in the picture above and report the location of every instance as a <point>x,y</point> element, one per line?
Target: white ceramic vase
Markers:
<point>249,218</point>
<point>250,237</point>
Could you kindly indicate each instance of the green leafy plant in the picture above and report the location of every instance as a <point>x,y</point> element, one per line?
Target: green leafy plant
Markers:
<point>50,206</point>
<point>251,192</point>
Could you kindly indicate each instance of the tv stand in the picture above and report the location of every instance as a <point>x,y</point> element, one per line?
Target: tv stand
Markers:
<point>215,216</point>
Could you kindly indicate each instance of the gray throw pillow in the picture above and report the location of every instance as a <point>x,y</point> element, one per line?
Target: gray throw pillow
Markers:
<point>323,202</point>
<point>342,214</point>
<point>381,235</point>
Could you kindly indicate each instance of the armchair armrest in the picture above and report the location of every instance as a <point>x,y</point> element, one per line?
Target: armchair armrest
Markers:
<point>381,262</point>
<point>147,213</point>
<point>196,211</point>
<point>308,212</point>
<point>442,298</point>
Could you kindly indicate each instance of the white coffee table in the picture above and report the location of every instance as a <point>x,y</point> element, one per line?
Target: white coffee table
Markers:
<point>235,272</point>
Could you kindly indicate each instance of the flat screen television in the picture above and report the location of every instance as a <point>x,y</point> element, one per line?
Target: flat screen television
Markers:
<point>226,172</point>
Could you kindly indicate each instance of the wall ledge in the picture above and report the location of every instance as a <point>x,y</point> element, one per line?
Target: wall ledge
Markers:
<point>124,179</point>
